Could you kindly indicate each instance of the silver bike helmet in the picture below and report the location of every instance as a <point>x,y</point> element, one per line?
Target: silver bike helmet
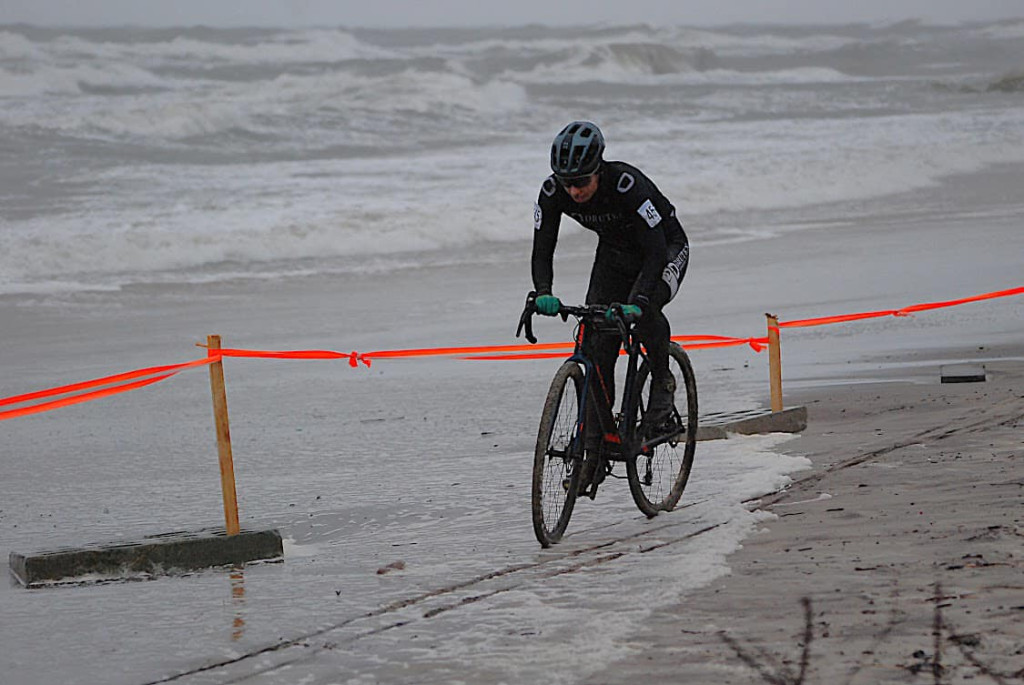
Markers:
<point>577,150</point>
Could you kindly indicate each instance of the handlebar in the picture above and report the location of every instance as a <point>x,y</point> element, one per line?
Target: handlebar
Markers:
<point>586,311</point>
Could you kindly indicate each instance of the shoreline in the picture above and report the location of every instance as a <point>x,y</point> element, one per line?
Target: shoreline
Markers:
<point>992,189</point>
<point>899,553</point>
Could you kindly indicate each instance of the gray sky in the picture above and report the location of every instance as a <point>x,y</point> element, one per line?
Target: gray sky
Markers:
<point>394,13</point>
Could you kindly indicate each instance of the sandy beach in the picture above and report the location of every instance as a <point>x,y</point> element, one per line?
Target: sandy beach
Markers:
<point>896,559</point>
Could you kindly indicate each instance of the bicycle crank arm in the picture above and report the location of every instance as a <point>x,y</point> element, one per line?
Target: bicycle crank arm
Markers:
<point>647,445</point>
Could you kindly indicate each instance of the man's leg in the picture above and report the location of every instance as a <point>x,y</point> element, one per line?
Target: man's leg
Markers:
<point>604,350</point>
<point>606,286</point>
<point>655,332</point>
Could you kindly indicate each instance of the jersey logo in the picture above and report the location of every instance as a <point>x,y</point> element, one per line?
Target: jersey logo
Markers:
<point>548,187</point>
<point>674,270</point>
<point>649,214</point>
<point>538,216</point>
<point>626,182</point>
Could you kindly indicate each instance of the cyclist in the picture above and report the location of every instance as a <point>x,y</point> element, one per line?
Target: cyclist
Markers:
<point>642,254</point>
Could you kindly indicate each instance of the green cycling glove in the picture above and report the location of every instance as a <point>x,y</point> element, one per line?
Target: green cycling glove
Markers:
<point>630,312</point>
<point>547,304</point>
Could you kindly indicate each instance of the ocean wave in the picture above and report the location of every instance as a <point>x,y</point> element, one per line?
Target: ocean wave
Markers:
<point>184,152</point>
<point>1010,83</point>
<point>615,63</point>
<point>546,41</point>
<point>795,76</point>
<point>760,42</point>
<point>411,90</point>
<point>74,80</point>
<point>653,58</point>
<point>161,223</point>
<point>1005,30</point>
<point>142,223</point>
<point>97,256</point>
<point>577,73</point>
<point>823,161</point>
<point>14,46</point>
<point>269,109</point>
<point>281,47</point>
<point>681,38</point>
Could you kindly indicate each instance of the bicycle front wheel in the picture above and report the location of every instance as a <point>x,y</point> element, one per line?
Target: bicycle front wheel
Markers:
<point>658,474</point>
<point>558,458</point>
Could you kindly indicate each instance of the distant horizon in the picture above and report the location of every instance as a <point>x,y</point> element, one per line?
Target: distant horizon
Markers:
<point>442,14</point>
<point>469,27</point>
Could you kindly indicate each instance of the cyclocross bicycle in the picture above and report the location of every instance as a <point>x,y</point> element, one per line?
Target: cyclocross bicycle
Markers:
<point>658,459</point>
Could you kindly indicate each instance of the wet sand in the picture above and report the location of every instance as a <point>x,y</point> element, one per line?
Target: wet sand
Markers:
<point>898,558</point>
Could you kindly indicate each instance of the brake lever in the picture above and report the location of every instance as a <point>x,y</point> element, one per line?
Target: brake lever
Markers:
<point>621,323</point>
<point>526,318</point>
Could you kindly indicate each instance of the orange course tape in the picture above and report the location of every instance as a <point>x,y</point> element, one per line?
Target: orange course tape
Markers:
<point>491,352</point>
<point>85,397</point>
<point>353,357</point>
<point>757,344</point>
<point>164,372</point>
<point>107,380</point>
<point>905,311</point>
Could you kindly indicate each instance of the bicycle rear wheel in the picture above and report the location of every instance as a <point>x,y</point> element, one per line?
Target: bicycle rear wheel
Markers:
<point>658,474</point>
<point>558,458</point>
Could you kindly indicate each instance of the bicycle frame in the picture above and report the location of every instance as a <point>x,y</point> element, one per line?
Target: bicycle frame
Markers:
<point>622,432</point>
<point>592,319</point>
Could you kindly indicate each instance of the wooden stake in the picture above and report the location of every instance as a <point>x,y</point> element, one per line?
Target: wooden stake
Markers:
<point>220,421</point>
<point>774,362</point>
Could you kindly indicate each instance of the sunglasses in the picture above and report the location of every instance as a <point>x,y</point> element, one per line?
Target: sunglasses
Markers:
<point>575,181</point>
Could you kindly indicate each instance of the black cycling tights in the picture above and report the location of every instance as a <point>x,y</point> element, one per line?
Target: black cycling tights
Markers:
<point>606,287</point>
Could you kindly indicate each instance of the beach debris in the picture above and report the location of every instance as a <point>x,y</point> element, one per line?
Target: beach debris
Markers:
<point>962,373</point>
<point>393,566</point>
<point>968,640</point>
<point>924,664</point>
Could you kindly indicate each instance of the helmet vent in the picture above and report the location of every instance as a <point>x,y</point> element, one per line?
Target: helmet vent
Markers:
<point>577,150</point>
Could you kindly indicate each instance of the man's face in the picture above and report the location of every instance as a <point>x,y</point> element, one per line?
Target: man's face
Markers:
<point>583,189</point>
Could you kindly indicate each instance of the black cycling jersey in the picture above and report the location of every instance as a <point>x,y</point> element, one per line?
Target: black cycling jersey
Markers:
<point>633,221</point>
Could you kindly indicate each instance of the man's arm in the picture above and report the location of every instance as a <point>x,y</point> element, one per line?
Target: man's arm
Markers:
<point>546,219</point>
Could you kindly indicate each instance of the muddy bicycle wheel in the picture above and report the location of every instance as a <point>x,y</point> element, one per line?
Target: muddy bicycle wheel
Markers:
<point>558,458</point>
<point>658,474</point>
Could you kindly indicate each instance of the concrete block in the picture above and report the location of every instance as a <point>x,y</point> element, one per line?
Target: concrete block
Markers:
<point>718,425</point>
<point>962,373</point>
<point>154,555</point>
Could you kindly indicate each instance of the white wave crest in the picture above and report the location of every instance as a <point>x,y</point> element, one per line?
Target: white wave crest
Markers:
<point>818,162</point>
<point>762,43</point>
<point>286,47</point>
<point>1007,30</point>
<point>14,46</point>
<point>73,80</point>
<point>189,112</point>
<point>311,46</point>
<point>415,91</point>
<point>613,63</point>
